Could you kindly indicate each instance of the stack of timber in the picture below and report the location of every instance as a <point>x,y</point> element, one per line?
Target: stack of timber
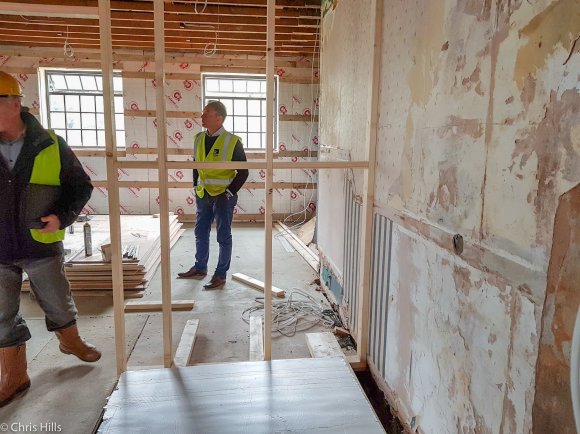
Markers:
<point>140,239</point>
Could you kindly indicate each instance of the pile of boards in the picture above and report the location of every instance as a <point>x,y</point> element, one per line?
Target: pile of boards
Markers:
<point>140,239</point>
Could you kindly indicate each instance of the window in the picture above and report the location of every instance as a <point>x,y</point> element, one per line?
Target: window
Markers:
<point>245,99</point>
<point>75,107</point>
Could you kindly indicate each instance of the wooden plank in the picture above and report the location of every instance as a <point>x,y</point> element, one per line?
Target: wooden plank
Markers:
<point>246,165</point>
<point>126,294</point>
<point>257,284</point>
<point>169,114</point>
<point>309,256</point>
<point>256,338</point>
<point>251,154</point>
<point>119,55</point>
<point>364,284</point>
<point>113,196</point>
<point>168,76</point>
<point>216,165</point>
<point>298,118</point>
<point>156,306</point>
<point>93,152</point>
<point>158,13</point>
<point>190,218</point>
<point>96,293</point>
<point>320,164</point>
<point>268,288</point>
<point>189,185</point>
<point>186,343</point>
<point>42,10</point>
<point>323,345</point>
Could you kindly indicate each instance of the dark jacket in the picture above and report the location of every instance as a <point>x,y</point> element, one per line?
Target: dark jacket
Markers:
<point>15,239</point>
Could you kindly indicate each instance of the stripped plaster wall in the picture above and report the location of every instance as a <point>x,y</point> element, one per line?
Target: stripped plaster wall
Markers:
<point>344,119</point>
<point>184,95</point>
<point>478,136</point>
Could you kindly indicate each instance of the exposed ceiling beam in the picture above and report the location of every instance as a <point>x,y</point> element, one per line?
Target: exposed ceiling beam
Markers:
<point>256,32</point>
<point>47,10</point>
<point>235,23</point>
<point>172,8</point>
<point>186,46</point>
<point>142,19</point>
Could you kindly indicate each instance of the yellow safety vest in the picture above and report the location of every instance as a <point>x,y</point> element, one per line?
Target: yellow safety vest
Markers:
<point>46,171</point>
<point>215,181</point>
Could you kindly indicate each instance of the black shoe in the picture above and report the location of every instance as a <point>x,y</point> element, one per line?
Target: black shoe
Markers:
<point>215,282</point>
<point>192,273</point>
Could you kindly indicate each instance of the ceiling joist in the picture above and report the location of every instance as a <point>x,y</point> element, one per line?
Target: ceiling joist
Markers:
<point>190,26</point>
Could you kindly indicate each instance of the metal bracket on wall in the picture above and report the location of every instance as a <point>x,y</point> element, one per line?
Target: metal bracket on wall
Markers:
<point>458,244</point>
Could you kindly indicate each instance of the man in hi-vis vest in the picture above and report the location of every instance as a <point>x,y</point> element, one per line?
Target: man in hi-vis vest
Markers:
<point>216,193</point>
<point>38,172</point>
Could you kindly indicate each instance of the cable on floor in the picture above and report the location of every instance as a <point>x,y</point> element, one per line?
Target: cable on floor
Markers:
<point>300,312</point>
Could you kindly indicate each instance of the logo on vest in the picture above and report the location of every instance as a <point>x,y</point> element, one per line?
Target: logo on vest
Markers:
<point>216,152</point>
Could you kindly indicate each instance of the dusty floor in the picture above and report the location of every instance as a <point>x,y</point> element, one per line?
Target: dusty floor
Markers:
<point>68,395</point>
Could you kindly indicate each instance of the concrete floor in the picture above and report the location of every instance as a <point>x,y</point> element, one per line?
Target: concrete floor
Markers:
<point>70,394</point>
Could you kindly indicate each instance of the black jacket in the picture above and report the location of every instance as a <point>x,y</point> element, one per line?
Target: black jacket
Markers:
<point>15,239</point>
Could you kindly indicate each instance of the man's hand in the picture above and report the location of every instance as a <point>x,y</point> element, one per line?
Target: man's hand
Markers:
<point>52,223</point>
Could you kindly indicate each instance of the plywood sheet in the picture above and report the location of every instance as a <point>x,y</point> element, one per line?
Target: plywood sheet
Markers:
<point>290,396</point>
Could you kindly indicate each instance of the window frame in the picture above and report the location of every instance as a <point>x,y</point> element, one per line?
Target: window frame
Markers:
<point>46,73</point>
<point>206,96</point>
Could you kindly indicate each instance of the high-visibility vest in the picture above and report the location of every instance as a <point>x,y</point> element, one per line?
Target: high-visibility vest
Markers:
<point>215,181</point>
<point>46,171</point>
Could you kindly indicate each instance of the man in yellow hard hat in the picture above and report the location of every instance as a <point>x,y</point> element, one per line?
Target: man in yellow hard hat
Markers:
<point>43,188</point>
<point>216,193</point>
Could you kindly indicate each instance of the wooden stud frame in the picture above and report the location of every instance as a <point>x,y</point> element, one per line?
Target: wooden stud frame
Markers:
<point>59,11</point>
<point>163,164</point>
<point>271,16</point>
<point>364,288</point>
<point>159,12</point>
<point>113,197</point>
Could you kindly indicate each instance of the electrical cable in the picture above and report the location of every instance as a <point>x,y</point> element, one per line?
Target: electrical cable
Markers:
<point>306,203</point>
<point>67,48</point>
<point>207,51</point>
<point>195,7</point>
<point>300,312</point>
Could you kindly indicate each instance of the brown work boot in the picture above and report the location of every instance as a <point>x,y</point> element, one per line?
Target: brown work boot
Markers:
<point>71,343</point>
<point>15,379</point>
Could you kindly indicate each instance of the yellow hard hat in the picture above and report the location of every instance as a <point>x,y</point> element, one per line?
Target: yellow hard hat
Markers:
<point>8,85</point>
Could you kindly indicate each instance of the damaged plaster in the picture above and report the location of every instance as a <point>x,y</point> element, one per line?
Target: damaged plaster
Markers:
<point>553,404</point>
<point>478,135</point>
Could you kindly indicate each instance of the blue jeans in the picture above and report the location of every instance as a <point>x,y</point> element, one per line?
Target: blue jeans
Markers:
<point>52,291</point>
<point>221,209</point>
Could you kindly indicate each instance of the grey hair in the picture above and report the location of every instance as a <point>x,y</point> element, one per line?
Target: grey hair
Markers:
<point>219,107</point>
